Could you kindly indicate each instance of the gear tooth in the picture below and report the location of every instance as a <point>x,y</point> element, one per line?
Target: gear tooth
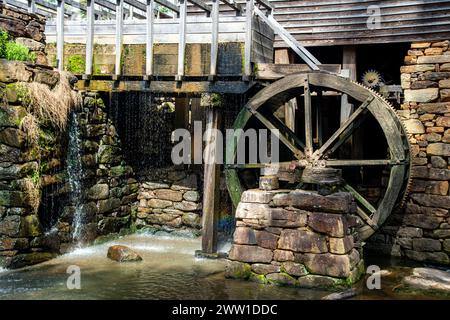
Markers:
<point>407,185</point>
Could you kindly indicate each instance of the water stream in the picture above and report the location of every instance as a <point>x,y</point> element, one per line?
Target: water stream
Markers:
<point>75,174</point>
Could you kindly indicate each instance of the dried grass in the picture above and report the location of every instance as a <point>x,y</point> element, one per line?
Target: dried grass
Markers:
<point>52,105</point>
<point>33,193</point>
<point>30,126</point>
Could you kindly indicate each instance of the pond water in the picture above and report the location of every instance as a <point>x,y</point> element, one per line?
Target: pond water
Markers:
<point>169,270</point>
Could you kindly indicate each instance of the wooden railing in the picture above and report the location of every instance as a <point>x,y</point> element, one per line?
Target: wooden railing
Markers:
<point>262,9</point>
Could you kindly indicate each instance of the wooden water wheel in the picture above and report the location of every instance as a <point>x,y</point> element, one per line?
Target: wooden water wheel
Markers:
<point>371,146</point>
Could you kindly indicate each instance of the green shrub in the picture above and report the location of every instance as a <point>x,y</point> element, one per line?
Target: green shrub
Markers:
<point>13,51</point>
<point>76,64</point>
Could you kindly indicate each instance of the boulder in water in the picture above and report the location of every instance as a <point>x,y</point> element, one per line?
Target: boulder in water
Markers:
<point>122,254</point>
<point>428,279</point>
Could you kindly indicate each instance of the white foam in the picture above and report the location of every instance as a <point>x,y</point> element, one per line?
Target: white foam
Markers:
<point>3,270</point>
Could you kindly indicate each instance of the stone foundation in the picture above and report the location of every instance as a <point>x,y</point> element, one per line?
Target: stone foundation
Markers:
<point>422,230</point>
<point>297,238</point>
<point>170,200</point>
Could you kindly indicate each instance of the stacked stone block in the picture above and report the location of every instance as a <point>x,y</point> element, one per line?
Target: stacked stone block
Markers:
<point>169,200</point>
<point>296,238</point>
<point>422,231</point>
<point>26,28</point>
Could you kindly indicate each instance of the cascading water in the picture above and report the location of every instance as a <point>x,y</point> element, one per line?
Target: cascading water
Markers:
<point>75,175</point>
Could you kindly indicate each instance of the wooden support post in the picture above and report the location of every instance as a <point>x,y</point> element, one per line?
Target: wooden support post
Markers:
<point>348,63</point>
<point>119,36</point>
<point>31,6</point>
<point>149,40</point>
<point>90,37</point>
<point>282,57</point>
<point>60,35</point>
<point>249,8</point>
<point>182,39</point>
<point>211,183</point>
<point>214,38</point>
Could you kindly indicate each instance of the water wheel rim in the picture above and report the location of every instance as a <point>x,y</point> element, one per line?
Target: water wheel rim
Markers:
<point>391,125</point>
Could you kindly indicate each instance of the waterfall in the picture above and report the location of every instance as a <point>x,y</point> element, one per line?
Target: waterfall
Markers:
<point>75,175</point>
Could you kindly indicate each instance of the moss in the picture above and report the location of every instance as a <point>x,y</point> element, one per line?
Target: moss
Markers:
<point>76,64</point>
<point>216,100</point>
<point>259,278</point>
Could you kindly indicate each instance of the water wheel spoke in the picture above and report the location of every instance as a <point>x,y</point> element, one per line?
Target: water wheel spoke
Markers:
<point>258,165</point>
<point>345,130</point>
<point>359,162</point>
<point>360,199</point>
<point>283,138</point>
<point>285,130</point>
<point>308,119</point>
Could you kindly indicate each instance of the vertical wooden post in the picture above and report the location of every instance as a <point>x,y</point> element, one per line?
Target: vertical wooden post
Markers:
<point>149,40</point>
<point>90,36</point>
<point>211,183</point>
<point>119,36</point>
<point>282,57</point>
<point>182,39</point>
<point>60,34</point>
<point>248,39</point>
<point>348,63</point>
<point>214,38</point>
<point>31,6</point>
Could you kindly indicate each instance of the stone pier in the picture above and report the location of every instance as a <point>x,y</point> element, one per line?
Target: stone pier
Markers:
<point>296,238</point>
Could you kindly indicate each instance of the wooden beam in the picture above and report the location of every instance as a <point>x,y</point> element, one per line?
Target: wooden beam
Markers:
<point>308,119</point>
<point>182,39</point>
<point>348,63</point>
<point>309,59</point>
<point>211,183</point>
<point>90,36</point>
<point>214,38</point>
<point>119,36</point>
<point>234,5</point>
<point>149,39</point>
<point>202,5</point>
<point>249,10</point>
<point>60,35</point>
<point>270,71</point>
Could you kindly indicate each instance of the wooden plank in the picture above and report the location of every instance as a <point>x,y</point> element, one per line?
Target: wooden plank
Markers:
<point>249,11</point>
<point>185,87</point>
<point>211,182</point>
<point>214,37</point>
<point>119,36</point>
<point>90,36</point>
<point>149,39</point>
<point>60,35</point>
<point>182,39</point>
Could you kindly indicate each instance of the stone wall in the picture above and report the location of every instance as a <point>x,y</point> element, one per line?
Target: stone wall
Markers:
<point>37,210</point>
<point>21,168</point>
<point>169,200</point>
<point>422,231</point>
<point>296,238</point>
<point>26,28</point>
<point>109,188</point>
